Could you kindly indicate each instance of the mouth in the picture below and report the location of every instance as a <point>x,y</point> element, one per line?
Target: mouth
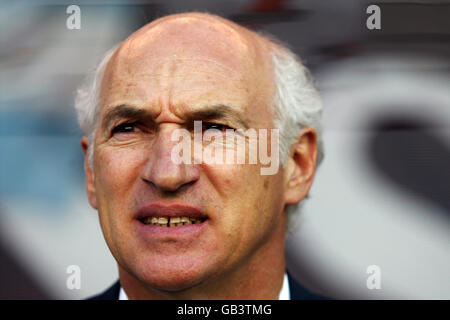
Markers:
<point>170,215</point>
<point>171,221</point>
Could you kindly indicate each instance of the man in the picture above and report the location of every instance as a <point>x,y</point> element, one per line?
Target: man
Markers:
<point>197,229</point>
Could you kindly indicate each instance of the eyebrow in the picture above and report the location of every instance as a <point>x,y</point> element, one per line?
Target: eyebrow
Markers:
<point>123,112</point>
<point>217,112</point>
<point>210,112</point>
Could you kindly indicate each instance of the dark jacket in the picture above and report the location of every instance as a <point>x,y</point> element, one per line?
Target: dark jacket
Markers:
<point>297,291</point>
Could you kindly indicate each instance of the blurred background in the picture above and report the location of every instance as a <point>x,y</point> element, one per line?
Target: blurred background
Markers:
<point>381,196</point>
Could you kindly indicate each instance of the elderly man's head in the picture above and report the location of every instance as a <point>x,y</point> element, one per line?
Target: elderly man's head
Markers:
<point>183,229</point>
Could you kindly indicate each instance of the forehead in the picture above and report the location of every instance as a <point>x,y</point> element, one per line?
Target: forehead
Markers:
<point>188,36</point>
<point>189,60</point>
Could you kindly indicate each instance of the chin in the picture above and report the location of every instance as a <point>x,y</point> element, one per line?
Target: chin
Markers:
<point>173,276</point>
<point>173,284</point>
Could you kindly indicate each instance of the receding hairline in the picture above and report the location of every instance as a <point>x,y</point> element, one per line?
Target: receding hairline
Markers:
<point>257,44</point>
<point>200,17</point>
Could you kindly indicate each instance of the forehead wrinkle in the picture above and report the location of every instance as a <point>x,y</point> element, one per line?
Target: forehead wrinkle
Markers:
<point>181,76</point>
<point>207,112</point>
<point>161,61</point>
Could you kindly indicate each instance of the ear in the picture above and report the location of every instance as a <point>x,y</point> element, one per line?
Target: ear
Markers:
<point>90,178</point>
<point>301,166</point>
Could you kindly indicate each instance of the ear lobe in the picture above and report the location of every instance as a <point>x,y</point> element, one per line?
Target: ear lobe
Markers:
<point>90,178</point>
<point>302,166</point>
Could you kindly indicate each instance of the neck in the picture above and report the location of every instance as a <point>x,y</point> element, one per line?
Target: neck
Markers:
<point>259,276</point>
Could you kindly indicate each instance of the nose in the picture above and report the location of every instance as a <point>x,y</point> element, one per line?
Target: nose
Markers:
<point>161,171</point>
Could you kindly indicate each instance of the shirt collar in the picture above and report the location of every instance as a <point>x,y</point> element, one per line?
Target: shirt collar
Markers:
<point>122,294</point>
<point>285,293</point>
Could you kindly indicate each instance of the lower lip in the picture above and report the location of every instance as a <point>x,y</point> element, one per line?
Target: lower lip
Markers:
<point>154,231</point>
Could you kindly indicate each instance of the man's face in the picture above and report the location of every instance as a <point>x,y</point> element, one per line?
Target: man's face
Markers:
<point>160,80</point>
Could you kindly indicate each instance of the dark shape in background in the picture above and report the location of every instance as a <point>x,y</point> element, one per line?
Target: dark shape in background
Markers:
<point>15,282</point>
<point>261,12</point>
<point>411,156</point>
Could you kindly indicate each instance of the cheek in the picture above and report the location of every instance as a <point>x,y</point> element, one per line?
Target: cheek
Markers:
<point>251,206</point>
<point>245,193</point>
<point>117,171</point>
<point>231,180</point>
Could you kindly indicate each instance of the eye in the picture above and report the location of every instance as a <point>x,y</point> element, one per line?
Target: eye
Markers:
<point>217,126</point>
<point>125,128</point>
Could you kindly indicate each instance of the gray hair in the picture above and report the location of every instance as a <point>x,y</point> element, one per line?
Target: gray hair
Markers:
<point>296,104</point>
<point>87,101</point>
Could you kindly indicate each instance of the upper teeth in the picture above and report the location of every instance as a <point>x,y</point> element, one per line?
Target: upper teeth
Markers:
<point>171,221</point>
